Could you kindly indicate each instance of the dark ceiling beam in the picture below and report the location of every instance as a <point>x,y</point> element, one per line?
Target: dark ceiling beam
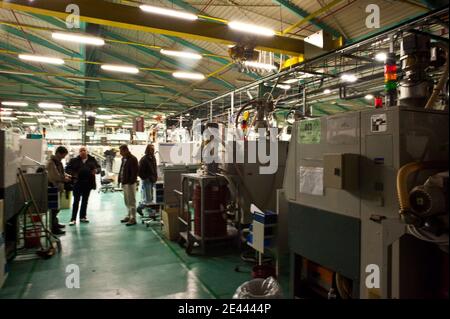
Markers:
<point>289,5</point>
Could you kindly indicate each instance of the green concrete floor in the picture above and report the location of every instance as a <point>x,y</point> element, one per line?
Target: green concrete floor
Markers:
<point>116,261</point>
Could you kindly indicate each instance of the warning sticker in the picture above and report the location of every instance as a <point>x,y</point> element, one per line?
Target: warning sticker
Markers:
<point>309,132</point>
<point>378,123</point>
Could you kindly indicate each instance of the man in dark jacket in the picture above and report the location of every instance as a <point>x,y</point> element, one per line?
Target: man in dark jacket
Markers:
<point>128,178</point>
<point>149,175</point>
<point>82,169</point>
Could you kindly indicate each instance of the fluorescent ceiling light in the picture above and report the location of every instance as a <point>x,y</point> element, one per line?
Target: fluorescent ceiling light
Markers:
<point>114,121</point>
<point>45,120</point>
<point>99,125</point>
<point>24,117</point>
<point>127,126</point>
<point>50,106</point>
<point>283,87</point>
<point>349,77</point>
<point>120,68</point>
<point>306,75</point>
<point>53,113</point>
<point>327,91</point>
<point>150,85</point>
<point>189,75</point>
<point>29,123</point>
<point>104,117</point>
<point>381,57</point>
<point>259,65</point>
<point>5,112</point>
<point>73,121</point>
<point>77,38</point>
<point>251,28</point>
<point>8,118</point>
<point>90,113</point>
<point>369,97</point>
<point>60,118</point>
<point>112,124</point>
<point>12,103</point>
<point>169,12</point>
<point>290,81</point>
<point>43,59</point>
<point>15,72</point>
<point>102,108</point>
<point>182,54</point>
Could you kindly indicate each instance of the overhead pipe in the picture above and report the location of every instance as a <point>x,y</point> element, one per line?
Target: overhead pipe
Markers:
<point>404,26</point>
<point>444,77</point>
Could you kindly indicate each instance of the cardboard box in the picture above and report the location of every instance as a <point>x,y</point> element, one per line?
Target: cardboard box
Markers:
<point>171,224</point>
<point>172,209</point>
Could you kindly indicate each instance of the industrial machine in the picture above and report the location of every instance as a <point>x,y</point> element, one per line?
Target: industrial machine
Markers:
<point>367,192</point>
<point>246,181</point>
<point>9,162</point>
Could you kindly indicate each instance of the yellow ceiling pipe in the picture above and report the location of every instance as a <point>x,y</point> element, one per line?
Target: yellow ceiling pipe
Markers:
<point>125,17</point>
<point>149,46</point>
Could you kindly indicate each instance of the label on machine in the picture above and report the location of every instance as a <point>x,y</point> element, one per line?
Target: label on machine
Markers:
<point>378,122</point>
<point>311,180</point>
<point>309,132</point>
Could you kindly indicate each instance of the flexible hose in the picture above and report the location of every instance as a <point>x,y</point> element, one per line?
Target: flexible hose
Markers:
<point>402,189</point>
<point>241,110</point>
<point>438,88</point>
<point>343,287</point>
<point>402,179</point>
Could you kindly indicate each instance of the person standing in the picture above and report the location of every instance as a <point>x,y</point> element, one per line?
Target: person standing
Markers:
<point>149,175</point>
<point>83,169</point>
<point>128,178</point>
<point>57,178</point>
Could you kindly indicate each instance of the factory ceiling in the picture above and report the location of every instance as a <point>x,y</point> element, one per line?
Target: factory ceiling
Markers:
<point>137,39</point>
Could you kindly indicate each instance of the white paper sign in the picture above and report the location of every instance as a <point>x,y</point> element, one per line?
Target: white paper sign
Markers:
<point>311,180</point>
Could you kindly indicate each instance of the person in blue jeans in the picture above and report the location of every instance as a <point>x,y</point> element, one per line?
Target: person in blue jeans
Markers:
<point>82,169</point>
<point>149,175</point>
